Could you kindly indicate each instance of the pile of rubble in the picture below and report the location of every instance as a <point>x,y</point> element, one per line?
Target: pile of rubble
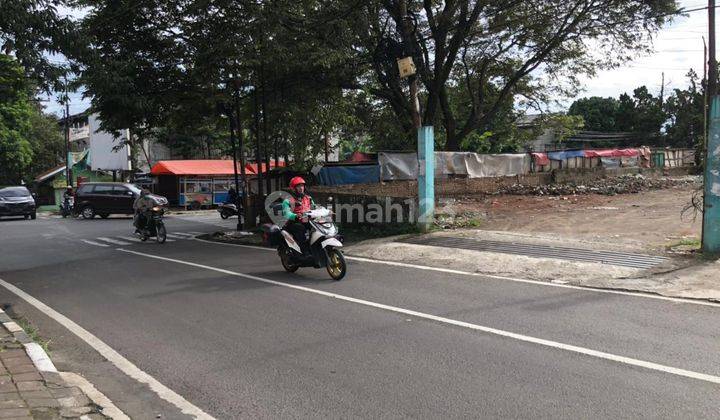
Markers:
<point>626,184</point>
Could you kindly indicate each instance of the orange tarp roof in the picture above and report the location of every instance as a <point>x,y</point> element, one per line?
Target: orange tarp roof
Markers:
<point>204,167</point>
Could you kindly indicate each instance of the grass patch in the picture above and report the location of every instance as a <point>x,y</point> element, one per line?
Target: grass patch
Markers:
<point>34,334</point>
<point>687,243</point>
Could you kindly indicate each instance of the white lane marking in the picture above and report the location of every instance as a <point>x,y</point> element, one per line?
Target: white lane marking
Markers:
<point>496,277</point>
<point>130,238</point>
<point>112,241</point>
<point>111,355</point>
<point>94,243</point>
<point>183,234</point>
<point>529,339</point>
<point>196,233</point>
<point>176,236</point>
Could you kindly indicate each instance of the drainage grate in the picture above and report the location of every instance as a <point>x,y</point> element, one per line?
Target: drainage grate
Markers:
<point>544,251</point>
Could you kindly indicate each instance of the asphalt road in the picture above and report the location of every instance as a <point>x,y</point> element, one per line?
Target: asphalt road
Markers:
<point>228,330</point>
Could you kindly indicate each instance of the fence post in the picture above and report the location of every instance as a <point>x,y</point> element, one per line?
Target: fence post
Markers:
<point>711,213</point>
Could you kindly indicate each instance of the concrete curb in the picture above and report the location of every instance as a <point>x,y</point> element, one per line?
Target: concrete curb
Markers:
<point>44,365</point>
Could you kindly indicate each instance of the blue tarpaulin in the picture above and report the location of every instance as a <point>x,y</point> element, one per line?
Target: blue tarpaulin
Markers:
<point>339,175</point>
<point>567,154</point>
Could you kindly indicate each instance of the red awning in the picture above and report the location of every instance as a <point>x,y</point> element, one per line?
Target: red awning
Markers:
<point>204,167</point>
<point>612,153</point>
<point>358,157</point>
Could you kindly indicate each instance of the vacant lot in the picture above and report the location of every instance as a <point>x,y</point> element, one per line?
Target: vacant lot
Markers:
<point>653,219</point>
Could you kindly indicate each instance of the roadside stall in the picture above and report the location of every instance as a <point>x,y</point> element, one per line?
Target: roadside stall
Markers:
<point>200,183</point>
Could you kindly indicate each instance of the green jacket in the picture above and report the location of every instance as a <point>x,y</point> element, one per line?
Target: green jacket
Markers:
<point>288,212</point>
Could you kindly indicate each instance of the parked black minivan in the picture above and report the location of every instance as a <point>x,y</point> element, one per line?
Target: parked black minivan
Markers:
<point>17,201</point>
<point>105,198</point>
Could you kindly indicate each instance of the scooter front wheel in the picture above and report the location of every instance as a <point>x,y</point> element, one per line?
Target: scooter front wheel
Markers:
<point>161,236</point>
<point>224,215</point>
<point>336,266</point>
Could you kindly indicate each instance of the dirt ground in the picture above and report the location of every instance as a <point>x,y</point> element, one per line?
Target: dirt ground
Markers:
<point>650,219</point>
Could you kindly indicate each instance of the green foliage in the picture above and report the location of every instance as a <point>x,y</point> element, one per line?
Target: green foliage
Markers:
<point>29,141</point>
<point>32,30</point>
<point>599,114</point>
<point>677,121</point>
<point>15,113</point>
<point>685,108</point>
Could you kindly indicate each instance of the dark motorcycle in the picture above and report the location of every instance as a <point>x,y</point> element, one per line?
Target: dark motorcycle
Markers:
<point>154,226</point>
<point>66,208</point>
<point>227,210</point>
<point>324,240</point>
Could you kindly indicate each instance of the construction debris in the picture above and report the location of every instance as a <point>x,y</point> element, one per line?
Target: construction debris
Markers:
<point>626,184</point>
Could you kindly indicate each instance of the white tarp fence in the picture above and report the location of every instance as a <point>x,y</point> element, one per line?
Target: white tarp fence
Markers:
<point>404,166</point>
<point>398,166</point>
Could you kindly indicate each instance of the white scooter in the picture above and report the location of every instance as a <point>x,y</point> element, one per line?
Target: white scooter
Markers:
<point>324,243</point>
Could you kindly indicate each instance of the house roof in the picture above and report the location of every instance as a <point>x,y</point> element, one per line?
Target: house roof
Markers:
<point>205,167</point>
<point>49,174</point>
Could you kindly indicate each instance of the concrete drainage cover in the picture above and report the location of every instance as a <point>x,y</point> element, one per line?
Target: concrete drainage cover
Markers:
<point>623,259</point>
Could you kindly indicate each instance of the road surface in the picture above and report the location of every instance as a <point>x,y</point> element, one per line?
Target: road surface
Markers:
<point>226,332</point>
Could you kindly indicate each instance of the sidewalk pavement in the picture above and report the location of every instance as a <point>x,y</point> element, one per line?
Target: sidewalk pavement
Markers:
<point>680,276</point>
<point>31,387</point>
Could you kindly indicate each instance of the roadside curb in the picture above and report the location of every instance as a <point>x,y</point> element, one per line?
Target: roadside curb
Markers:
<point>46,368</point>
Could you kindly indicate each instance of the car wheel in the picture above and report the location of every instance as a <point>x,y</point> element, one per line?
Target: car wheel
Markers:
<point>105,215</point>
<point>33,216</point>
<point>27,216</point>
<point>88,212</point>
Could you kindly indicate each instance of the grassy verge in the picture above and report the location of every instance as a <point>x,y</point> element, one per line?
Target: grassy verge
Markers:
<point>34,333</point>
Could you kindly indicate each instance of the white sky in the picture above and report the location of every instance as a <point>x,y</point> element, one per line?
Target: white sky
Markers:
<point>678,47</point>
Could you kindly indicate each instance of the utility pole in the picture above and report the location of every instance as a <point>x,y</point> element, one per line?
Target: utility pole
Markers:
<point>233,142</point>
<point>258,150</point>
<point>711,184</point>
<point>712,63</point>
<point>241,147</point>
<point>409,48</point>
<point>68,166</point>
<point>425,135</point>
<point>662,89</point>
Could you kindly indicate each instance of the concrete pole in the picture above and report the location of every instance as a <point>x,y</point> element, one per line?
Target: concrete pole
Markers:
<point>426,177</point>
<point>711,203</point>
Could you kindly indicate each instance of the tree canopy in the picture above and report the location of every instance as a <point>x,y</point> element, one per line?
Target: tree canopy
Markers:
<point>316,67</point>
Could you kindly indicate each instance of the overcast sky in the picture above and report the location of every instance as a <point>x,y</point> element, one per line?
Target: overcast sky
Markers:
<point>678,47</point>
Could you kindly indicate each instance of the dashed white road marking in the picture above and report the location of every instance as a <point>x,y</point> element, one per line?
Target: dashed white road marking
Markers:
<point>131,238</point>
<point>496,277</point>
<point>183,234</point>
<point>521,337</point>
<point>112,241</point>
<point>111,355</point>
<point>94,243</point>
<point>176,236</point>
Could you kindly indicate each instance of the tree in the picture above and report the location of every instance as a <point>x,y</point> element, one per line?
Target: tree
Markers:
<point>685,109</point>
<point>15,114</point>
<point>30,142</point>
<point>33,31</point>
<point>501,51</point>
<point>599,114</point>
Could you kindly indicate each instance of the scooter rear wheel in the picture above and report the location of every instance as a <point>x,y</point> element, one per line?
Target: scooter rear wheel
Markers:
<point>284,253</point>
<point>336,266</point>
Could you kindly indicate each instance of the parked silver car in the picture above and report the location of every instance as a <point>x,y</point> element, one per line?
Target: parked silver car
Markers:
<point>17,201</point>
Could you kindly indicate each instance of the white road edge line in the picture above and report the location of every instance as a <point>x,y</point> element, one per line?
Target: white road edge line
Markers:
<point>111,355</point>
<point>496,277</point>
<point>529,339</point>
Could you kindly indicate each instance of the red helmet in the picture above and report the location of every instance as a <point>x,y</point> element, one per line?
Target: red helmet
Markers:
<point>296,181</point>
